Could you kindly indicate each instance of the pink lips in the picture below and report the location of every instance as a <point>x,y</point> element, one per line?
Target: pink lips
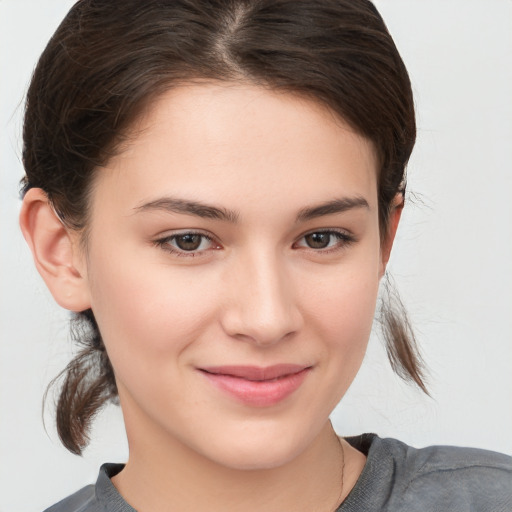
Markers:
<point>256,386</point>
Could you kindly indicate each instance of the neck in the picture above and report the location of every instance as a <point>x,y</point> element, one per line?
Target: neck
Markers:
<point>163,475</point>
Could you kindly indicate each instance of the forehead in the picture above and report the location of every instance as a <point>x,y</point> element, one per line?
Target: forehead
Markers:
<point>213,139</point>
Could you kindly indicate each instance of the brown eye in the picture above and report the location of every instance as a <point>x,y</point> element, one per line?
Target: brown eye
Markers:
<point>325,241</point>
<point>188,242</point>
<point>318,240</point>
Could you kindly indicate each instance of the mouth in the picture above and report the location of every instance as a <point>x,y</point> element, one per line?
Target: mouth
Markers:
<point>257,386</point>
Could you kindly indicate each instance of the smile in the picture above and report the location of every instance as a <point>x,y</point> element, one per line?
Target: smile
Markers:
<point>256,386</point>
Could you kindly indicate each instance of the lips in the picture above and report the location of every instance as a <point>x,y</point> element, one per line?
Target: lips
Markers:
<point>257,386</point>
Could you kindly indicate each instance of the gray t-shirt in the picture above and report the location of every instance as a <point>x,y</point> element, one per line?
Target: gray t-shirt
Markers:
<point>396,478</point>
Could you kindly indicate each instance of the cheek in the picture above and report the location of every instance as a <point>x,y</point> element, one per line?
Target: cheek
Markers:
<point>145,311</point>
<point>343,311</point>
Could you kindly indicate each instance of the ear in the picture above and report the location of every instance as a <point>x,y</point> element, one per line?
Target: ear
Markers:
<point>395,213</point>
<point>56,251</point>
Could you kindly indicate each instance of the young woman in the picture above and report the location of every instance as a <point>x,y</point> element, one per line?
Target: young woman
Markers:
<point>214,189</point>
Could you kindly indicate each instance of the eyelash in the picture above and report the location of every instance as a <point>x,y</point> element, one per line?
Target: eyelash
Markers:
<point>164,243</point>
<point>343,238</point>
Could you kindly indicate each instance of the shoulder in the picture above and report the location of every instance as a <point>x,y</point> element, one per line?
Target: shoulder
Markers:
<point>461,478</point>
<point>443,458</point>
<point>449,461</point>
<point>444,478</point>
<point>83,500</point>
<point>96,498</point>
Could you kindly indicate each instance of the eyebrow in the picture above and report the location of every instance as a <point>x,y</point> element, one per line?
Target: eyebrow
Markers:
<point>197,208</point>
<point>206,211</point>
<point>330,207</point>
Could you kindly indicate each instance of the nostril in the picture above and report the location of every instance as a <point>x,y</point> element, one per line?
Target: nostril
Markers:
<point>263,306</point>
<point>260,330</point>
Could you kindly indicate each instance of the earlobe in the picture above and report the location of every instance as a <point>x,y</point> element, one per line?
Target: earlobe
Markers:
<point>55,250</point>
<point>393,221</point>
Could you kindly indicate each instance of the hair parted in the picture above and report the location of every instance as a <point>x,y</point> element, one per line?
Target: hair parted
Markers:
<point>110,58</point>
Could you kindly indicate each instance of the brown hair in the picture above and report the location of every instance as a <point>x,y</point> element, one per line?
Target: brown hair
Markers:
<point>108,59</point>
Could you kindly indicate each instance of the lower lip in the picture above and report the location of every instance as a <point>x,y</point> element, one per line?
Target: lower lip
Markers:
<point>262,393</point>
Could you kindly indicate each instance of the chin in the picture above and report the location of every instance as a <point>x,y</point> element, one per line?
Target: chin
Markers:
<point>259,450</point>
<point>255,460</point>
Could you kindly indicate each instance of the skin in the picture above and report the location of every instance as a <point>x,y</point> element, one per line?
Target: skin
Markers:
<point>255,294</point>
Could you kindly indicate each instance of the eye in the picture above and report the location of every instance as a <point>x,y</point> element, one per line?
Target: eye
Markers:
<point>187,244</point>
<point>189,241</point>
<point>325,240</point>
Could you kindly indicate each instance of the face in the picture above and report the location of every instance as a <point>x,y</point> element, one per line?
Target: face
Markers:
<point>232,265</point>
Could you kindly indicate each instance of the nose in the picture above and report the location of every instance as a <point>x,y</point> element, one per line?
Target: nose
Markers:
<point>262,306</point>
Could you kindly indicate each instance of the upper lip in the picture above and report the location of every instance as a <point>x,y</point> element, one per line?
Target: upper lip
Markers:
<point>256,373</point>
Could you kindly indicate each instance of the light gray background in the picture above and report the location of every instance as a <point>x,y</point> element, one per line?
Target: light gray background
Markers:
<point>452,261</point>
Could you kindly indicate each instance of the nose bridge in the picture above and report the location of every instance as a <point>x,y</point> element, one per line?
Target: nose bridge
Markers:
<point>264,308</point>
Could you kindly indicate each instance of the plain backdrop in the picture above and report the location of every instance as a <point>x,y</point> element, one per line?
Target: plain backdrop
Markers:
<point>452,260</point>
